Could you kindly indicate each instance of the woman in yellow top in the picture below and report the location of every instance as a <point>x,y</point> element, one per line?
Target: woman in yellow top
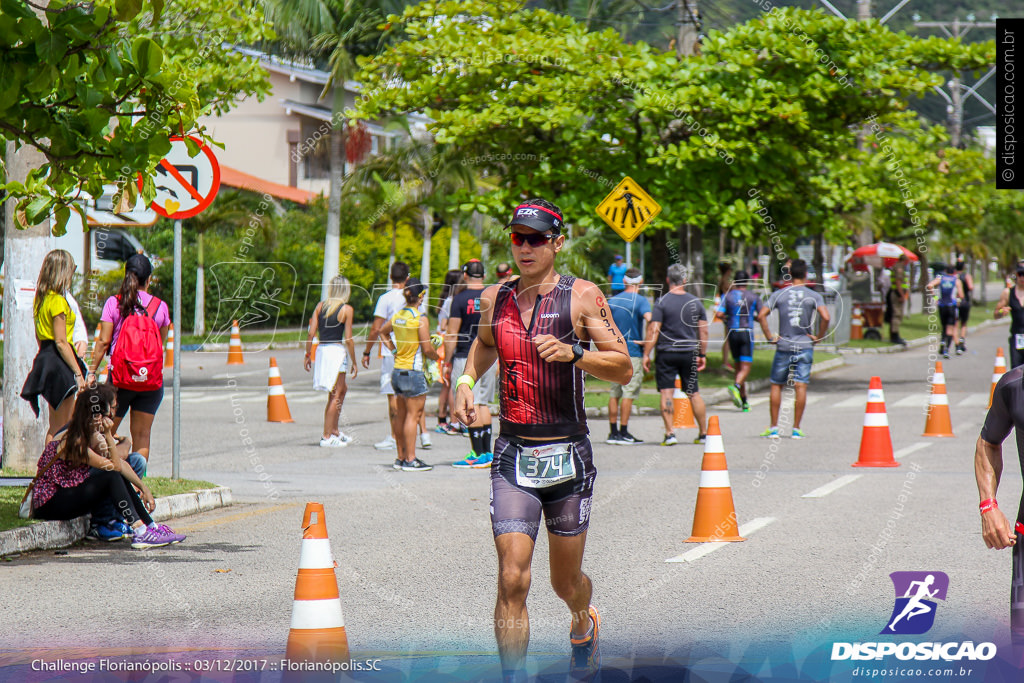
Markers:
<point>411,344</point>
<point>57,373</point>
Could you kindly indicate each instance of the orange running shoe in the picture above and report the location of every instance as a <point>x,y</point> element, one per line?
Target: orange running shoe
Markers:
<point>585,661</point>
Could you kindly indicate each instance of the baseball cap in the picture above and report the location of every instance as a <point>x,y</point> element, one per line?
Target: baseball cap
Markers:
<point>536,218</point>
<point>618,257</point>
<point>473,268</point>
<point>414,286</point>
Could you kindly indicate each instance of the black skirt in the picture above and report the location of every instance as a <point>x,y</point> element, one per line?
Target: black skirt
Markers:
<point>50,377</point>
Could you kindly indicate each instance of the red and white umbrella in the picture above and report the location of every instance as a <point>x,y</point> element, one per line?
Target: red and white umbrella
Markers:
<point>879,255</point>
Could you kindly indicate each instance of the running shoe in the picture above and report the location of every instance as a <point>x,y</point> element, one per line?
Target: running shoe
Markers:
<point>615,438</point>
<point>416,465</point>
<point>104,532</point>
<point>346,439</point>
<point>734,393</point>
<point>425,442</point>
<point>440,428</point>
<point>332,441</point>
<point>669,440</point>
<point>585,661</point>
<point>627,438</point>
<point>121,526</point>
<point>166,530</point>
<point>798,434</point>
<point>385,445</point>
<point>398,464</point>
<point>451,430</point>
<point>483,462</point>
<point>466,462</point>
<point>701,439</point>
<point>145,537</point>
<point>746,406</point>
<point>771,433</point>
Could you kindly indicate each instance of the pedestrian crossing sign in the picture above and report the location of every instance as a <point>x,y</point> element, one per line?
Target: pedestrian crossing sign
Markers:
<point>628,209</point>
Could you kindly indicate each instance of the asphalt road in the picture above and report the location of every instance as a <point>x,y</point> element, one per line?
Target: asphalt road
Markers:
<point>415,557</point>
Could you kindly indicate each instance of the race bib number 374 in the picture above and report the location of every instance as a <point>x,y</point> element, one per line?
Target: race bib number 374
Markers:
<point>543,466</point>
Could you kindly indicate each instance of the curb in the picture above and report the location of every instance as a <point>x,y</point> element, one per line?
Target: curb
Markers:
<point>48,535</point>
<point>915,343</point>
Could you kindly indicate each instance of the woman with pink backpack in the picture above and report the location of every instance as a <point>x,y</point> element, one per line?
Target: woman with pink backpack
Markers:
<point>134,327</point>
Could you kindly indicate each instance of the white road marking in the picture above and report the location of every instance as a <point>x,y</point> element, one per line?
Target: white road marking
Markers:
<point>834,485</point>
<point>852,402</point>
<point>912,401</point>
<point>703,549</point>
<point>758,401</point>
<point>912,448</point>
<point>246,373</point>
<point>975,400</point>
<point>965,427</point>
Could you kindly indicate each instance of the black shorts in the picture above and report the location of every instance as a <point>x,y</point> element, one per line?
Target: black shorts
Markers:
<point>671,364</point>
<point>965,313</point>
<point>566,506</point>
<point>139,401</point>
<point>1017,591</point>
<point>741,345</point>
<point>947,315</point>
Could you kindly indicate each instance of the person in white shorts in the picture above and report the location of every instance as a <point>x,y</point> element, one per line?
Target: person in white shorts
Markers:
<point>332,323</point>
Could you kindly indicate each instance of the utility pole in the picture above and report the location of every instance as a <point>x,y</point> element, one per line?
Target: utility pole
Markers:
<point>955,98</point>
<point>688,26</point>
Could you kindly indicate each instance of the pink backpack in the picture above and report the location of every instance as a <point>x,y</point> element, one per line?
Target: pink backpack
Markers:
<point>138,359</point>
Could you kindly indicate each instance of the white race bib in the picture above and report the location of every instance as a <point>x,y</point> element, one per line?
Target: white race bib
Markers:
<point>538,467</point>
<point>1018,341</point>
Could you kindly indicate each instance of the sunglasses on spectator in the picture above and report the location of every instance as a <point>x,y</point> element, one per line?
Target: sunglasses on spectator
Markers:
<point>534,239</point>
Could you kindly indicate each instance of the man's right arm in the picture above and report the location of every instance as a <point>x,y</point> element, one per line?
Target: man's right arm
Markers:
<point>988,468</point>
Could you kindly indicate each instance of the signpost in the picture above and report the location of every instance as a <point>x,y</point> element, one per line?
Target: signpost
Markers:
<point>628,209</point>
<point>185,186</point>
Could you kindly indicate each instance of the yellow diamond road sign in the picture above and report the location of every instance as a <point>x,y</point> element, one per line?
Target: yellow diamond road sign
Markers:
<point>628,209</point>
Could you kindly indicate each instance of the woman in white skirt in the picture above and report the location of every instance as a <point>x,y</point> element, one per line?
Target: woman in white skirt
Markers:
<point>332,322</point>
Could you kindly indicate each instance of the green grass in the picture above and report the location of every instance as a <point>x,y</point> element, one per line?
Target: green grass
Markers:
<point>918,325</point>
<point>280,336</point>
<point>711,378</point>
<point>10,496</point>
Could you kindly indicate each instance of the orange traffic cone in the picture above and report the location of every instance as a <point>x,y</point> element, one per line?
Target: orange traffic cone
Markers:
<point>682,411</point>
<point>714,518</point>
<point>101,376</point>
<point>998,372</point>
<point>857,324</point>
<point>95,337</point>
<point>318,627</point>
<point>312,351</point>
<point>875,440</point>
<point>235,346</point>
<point>939,422</point>
<point>169,347</point>
<point>277,404</point>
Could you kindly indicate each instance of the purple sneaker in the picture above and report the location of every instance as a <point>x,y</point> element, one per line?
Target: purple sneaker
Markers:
<point>170,533</point>
<point>149,538</point>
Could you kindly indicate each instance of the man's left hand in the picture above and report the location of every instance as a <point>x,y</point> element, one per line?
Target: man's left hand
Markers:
<point>702,363</point>
<point>552,350</point>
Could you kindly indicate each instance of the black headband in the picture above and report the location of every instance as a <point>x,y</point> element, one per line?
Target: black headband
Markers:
<point>536,218</point>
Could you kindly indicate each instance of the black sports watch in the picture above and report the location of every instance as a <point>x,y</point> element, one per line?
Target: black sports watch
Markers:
<point>577,353</point>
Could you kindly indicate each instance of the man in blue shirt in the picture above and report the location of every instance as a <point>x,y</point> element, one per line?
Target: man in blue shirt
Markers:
<point>616,272</point>
<point>738,310</point>
<point>629,311</point>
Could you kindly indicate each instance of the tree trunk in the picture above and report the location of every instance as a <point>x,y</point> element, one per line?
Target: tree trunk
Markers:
<point>818,260</point>
<point>24,251</point>
<point>428,227</point>
<point>478,232</point>
<point>332,243</point>
<point>199,322</point>
<point>453,246</point>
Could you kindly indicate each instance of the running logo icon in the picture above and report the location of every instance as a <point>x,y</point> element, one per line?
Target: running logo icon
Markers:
<point>916,593</point>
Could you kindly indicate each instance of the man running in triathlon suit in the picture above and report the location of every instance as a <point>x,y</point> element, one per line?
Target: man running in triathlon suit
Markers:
<point>535,327</point>
<point>1011,303</point>
<point>738,310</point>
<point>964,309</point>
<point>950,293</point>
<point>1006,414</point>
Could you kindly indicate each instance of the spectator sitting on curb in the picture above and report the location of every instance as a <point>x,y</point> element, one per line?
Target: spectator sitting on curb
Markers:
<point>73,478</point>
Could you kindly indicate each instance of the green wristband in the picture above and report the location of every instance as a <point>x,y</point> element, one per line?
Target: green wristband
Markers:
<point>465,379</point>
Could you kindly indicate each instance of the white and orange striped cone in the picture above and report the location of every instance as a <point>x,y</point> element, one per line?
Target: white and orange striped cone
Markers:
<point>998,372</point>
<point>1,330</point>
<point>95,337</point>
<point>318,627</point>
<point>312,351</point>
<point>682,410</point>
<point>169,347</point>
<point>101,376</point>
<point>857,324</point>
<point>939,422</point>
<point>875,439</point>
<point>235,346</point>
<point>277,404</point>
<point>714,518</point>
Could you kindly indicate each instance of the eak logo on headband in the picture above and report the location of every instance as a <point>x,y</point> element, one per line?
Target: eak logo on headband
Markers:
<point>526,212</point>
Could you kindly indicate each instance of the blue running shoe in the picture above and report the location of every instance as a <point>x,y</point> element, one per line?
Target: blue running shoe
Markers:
<point>104,532</point>
<point>483,462</point>
<point>467,462</point>
<point>798,434</point>
<point>585,662</point>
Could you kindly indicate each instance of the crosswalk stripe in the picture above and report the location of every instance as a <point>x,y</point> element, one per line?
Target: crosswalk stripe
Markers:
<point>912,448</point>
<point>979,399</point>
<point>912,401</point>
<point>852,402</point>
<point>703,549</point>
<point>833,485</point>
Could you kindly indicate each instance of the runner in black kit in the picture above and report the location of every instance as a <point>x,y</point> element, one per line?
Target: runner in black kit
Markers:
<point>536,326</point>
<point>1006,414</point>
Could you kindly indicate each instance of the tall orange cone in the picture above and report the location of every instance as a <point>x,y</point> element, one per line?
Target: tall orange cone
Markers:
<point>169,347</point>
<point>682,411</point>
<point>277,404</point>
<point>857,324</point>
<point>312,350</point>
<point>875,439</point>
<point>939,422</point>
<point>235,346</point>
<point>998,372</point>
<point>318,627</point>
<point>714,518</point>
